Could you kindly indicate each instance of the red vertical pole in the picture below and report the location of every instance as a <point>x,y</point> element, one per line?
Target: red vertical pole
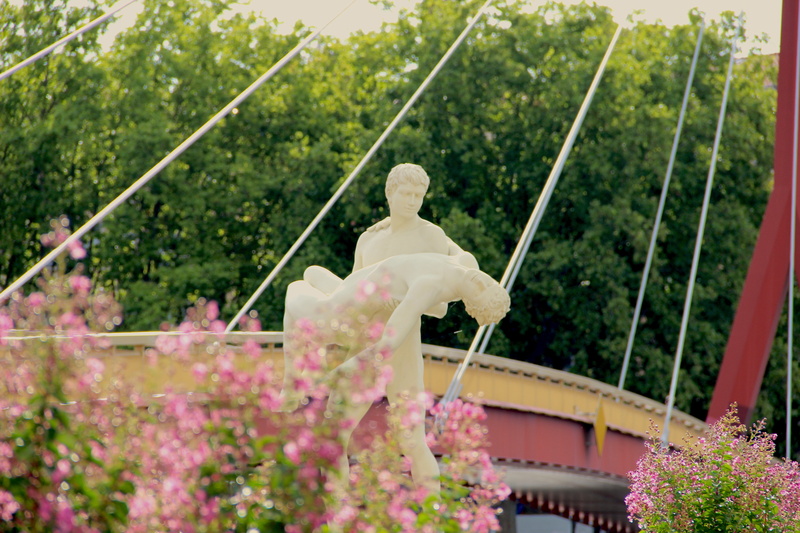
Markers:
<point>766,285</point>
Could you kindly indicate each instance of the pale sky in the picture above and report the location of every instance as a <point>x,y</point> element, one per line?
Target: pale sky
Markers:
<point>762,16</point>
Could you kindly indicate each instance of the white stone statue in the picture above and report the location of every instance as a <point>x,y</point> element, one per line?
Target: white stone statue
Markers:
<point>427,270</point>
<point>416,283</point>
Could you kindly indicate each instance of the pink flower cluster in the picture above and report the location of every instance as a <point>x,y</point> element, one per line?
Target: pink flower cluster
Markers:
<point>59,234</point>
<point>82,450</point>
<point>728,481</point>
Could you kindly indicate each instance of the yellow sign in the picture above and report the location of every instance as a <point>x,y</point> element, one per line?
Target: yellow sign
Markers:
<point>600,427</point>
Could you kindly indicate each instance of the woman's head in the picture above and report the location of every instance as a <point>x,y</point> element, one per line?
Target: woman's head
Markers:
<point>485,300</point>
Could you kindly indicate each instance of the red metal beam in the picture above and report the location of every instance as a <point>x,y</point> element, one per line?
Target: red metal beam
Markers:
<point>766,285</point>
<point>526,436</point>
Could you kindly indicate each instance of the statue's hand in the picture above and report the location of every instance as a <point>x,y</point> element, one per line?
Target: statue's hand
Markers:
<point>383,224</point>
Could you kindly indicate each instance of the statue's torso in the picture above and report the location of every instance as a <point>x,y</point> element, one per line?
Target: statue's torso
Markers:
<point>385,243</point>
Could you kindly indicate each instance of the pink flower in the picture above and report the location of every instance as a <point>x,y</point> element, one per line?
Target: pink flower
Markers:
<point>68,319</point>
<point>247,323</point>
<point>76,250</point>
<point>6,325</point>
<point>365,289</point>
<point>166,344</point>
<point>374,331</point>
<point>212,310</point>
<point>65,517</point>
<point>305,439</point>
<point>402,514</point>
<point>485,520</point>
<point>95,366</point>
<point>412,418</point>
<point>217,327</point>
<point>330,451</point>
<point>142,504</point>
<point>345,514</point>
<point>387,481</point>
<point>270,400</point>
<point>54,238</point>
<point>305,327</point>
<point>6,454</point>
<point>464,518</point>
<point>36,299</point>
<point>225,367</point>
<point>98,451</point>
<point>292,452</point>
<point>252,348</point>
<point>80,285</point>
<point>62,470</point>
<point>200,371</point>
<point>264,374</point>
<point>303,385</point>
<point>8,506</point>
<point>210,510</point>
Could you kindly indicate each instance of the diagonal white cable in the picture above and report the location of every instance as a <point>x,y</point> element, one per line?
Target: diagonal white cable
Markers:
<point>699,241</point>
<point>660,212</point>
<point>792,246</point>
<point>327,207</point>
<point>515,263</point>
<point>64,40</point>
<point>138,184</point>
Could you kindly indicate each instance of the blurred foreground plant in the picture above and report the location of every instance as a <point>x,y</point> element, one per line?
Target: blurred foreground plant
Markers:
<point>84,449</point>
<point>727,482</point>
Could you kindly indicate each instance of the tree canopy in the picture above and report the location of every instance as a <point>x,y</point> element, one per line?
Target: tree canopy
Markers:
<point>82,124</point>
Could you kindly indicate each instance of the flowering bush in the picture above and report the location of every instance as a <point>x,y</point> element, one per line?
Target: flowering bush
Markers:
<point>726,482</point>
<point>84,450</point>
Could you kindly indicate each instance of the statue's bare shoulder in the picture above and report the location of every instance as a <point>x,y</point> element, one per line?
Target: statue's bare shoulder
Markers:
<point>378,226</point>
<point>423,227</point>
<point>431,230</point>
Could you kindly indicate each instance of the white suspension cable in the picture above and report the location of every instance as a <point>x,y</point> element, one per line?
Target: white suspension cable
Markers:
<point>138,184</point>
<point>83,29</point>
<point>327,207</point>
<point>699,241</point>
<point>662,201</point>
<point>515,263</point>
<point>792,246</point>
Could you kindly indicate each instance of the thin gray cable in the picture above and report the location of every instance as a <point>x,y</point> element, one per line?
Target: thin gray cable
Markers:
<point>792,246</point>
<point>660,212</point>
<point>138,184</point>
<point>699,242</point>
<point>514,264</point>
<point>327,207</point>
<point>83,29</point>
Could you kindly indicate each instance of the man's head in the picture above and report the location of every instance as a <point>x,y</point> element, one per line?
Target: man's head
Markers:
<point>408,174</point>
<point>405,190</point>
<point>485,300</point>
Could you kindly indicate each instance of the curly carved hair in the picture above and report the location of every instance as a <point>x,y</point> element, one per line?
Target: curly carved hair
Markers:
<point>406,173</point>
<point>490,306</point>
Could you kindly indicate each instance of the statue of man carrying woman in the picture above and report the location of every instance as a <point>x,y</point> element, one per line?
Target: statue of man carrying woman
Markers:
<point>422,270</point>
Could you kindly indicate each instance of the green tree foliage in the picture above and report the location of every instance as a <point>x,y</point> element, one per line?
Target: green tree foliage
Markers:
<point>81,126</point>
<point>52,127</point>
